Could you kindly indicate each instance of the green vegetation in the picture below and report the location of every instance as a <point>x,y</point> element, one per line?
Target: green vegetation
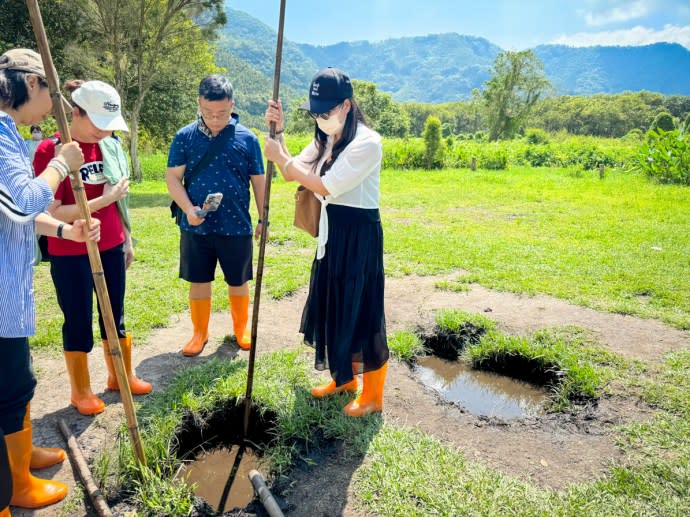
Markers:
<point>517,84</point>
<point>563,359</point>
<point>405,345</point>
<point>281,387</point>
<point>663,121</point>
<point>433,158</point>
<point>665,156</point>
<point>616,245</point>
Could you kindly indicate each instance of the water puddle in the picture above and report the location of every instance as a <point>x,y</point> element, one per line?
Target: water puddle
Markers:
<point>211,471</point>
<point>479,392</point>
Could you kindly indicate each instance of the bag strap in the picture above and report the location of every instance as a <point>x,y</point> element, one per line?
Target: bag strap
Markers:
<point>213,150</point>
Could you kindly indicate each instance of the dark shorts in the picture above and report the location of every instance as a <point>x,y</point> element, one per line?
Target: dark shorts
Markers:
<point>199,255</point>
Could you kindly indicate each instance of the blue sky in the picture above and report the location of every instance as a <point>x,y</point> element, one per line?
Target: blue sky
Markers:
<point>511,24</point>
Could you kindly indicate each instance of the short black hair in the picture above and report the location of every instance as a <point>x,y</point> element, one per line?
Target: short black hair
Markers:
<point>215,87</point>
<point>14,92</point>
<point>35,127</point>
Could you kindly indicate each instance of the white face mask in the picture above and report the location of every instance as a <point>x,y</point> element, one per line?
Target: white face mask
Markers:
<point>331,126</point>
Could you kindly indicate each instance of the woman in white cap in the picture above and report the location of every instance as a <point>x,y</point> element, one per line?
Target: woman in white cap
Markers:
<point>343,318</point>
<point>95,115</point>
<point>25,100</point>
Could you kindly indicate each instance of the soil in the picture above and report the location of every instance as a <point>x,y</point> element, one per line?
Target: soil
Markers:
<point>552,451</point>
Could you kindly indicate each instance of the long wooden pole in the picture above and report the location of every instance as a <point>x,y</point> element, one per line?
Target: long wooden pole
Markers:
<point>264,229</point>
<point>92,247</point>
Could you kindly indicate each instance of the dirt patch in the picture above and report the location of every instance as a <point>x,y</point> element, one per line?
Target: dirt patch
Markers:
<point>552,451</point>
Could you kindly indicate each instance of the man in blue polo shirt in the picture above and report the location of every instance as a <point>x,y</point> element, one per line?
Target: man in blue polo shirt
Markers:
<point>223,236</point>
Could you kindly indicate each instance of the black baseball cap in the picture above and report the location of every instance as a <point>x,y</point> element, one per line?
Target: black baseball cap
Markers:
<point>329,87</point>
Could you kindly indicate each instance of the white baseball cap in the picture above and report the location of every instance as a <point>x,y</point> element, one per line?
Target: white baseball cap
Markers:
<point>101,102</point>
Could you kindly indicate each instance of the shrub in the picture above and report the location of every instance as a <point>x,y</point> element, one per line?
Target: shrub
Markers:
<point>432,143</point>
<point>665,156</point>
<point>663,121</point>
<point>536,136</point>
<point>493,158</point>
<point>634,135</point>
<point>686,123</point>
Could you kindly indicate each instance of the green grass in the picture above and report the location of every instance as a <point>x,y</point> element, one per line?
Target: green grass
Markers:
<point>617,245</point>
<point>281,385</point>
<point>575,369</point>
<point>453,320</point>
<point>405,345</point>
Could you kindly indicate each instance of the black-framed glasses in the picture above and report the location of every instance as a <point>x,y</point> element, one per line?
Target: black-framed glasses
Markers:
<point>327,115</point>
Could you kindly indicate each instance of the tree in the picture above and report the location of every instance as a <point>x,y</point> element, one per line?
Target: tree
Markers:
<point>64,27</point>
<point>142,41</point>
<point>517,84</point>
<point>432,142</point>
<point>385,116</point>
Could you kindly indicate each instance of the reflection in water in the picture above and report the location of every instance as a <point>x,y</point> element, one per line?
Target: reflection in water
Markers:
<point>479,392</point>
<point>210,472</point>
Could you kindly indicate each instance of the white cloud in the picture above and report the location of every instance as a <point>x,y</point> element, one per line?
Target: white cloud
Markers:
<point>628,37</point>
<point>622,13</point>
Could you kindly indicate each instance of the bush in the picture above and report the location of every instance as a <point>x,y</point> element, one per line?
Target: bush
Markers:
<point>493,158</point>
<point>663,121</point>
<point>536,136</point>
<point>432,143</point>
<point>665,156</point>
<point>634,135</point>
<point>686,123</point>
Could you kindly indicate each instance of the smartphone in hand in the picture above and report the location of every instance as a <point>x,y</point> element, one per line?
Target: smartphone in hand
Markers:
<point>211,204</point>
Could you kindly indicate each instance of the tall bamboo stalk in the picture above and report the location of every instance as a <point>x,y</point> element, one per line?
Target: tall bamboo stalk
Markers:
<point>264,229</point>
<point>92,247</point>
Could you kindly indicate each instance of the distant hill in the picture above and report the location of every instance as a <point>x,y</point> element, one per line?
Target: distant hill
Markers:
<point>661,67</point>
<point>447,67</point>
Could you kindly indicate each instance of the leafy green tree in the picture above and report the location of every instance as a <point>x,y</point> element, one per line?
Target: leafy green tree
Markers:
<point>432,142</point>
<point>141,41</point>
<point>385,116</point>
<point>518,83</point>
<point>686,123</point>
<point>64,26</point>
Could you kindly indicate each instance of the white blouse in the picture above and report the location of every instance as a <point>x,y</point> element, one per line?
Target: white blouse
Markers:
<point>353,179</point>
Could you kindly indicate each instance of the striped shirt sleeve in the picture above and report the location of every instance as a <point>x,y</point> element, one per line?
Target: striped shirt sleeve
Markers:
<point>22,196</point>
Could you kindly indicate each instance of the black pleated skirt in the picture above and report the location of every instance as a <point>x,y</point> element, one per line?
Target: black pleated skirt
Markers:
<point>343,318</point>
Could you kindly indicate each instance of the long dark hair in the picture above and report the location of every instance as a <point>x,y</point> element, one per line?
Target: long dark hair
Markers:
<point>353,117</point>
<point>14,92</point>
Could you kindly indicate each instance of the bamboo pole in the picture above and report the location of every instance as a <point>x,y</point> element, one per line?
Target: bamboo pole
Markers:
<point>92,247</point>
<point>264,230</point>
<point>82,468</point>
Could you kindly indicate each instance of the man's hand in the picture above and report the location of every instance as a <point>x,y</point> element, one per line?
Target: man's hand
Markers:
<point>192,218</point>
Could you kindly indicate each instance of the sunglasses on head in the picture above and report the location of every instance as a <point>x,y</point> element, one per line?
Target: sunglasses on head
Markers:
<point>327,115</point>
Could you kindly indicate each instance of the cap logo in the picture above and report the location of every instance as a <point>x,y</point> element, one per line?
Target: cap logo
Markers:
<point>111,106</point>
<point>315,89</point>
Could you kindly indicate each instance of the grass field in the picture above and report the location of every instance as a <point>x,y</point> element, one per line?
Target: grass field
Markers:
<point>619,244</point>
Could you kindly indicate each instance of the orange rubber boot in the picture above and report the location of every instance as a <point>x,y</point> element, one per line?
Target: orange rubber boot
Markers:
<point>324,390</point>
<point>42,457</point>
<point>371,398</point>
<point>201,314</point>
<point>136,385</point>
<point>239,309</point>
<point>82,397</point>
<point>29,491</point>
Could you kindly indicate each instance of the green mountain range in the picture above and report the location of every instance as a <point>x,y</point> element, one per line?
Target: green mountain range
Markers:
<point>441,67</point>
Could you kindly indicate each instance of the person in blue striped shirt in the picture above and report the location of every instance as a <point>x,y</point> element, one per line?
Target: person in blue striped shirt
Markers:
<point>24,199</point>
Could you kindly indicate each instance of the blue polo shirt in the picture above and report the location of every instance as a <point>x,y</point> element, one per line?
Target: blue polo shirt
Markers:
<point>228,172</point>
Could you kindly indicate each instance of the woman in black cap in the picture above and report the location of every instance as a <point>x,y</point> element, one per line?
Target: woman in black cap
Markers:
<point>343,318</point>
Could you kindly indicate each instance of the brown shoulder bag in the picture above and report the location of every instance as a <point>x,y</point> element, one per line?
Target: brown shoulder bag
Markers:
<point>307,211</point>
